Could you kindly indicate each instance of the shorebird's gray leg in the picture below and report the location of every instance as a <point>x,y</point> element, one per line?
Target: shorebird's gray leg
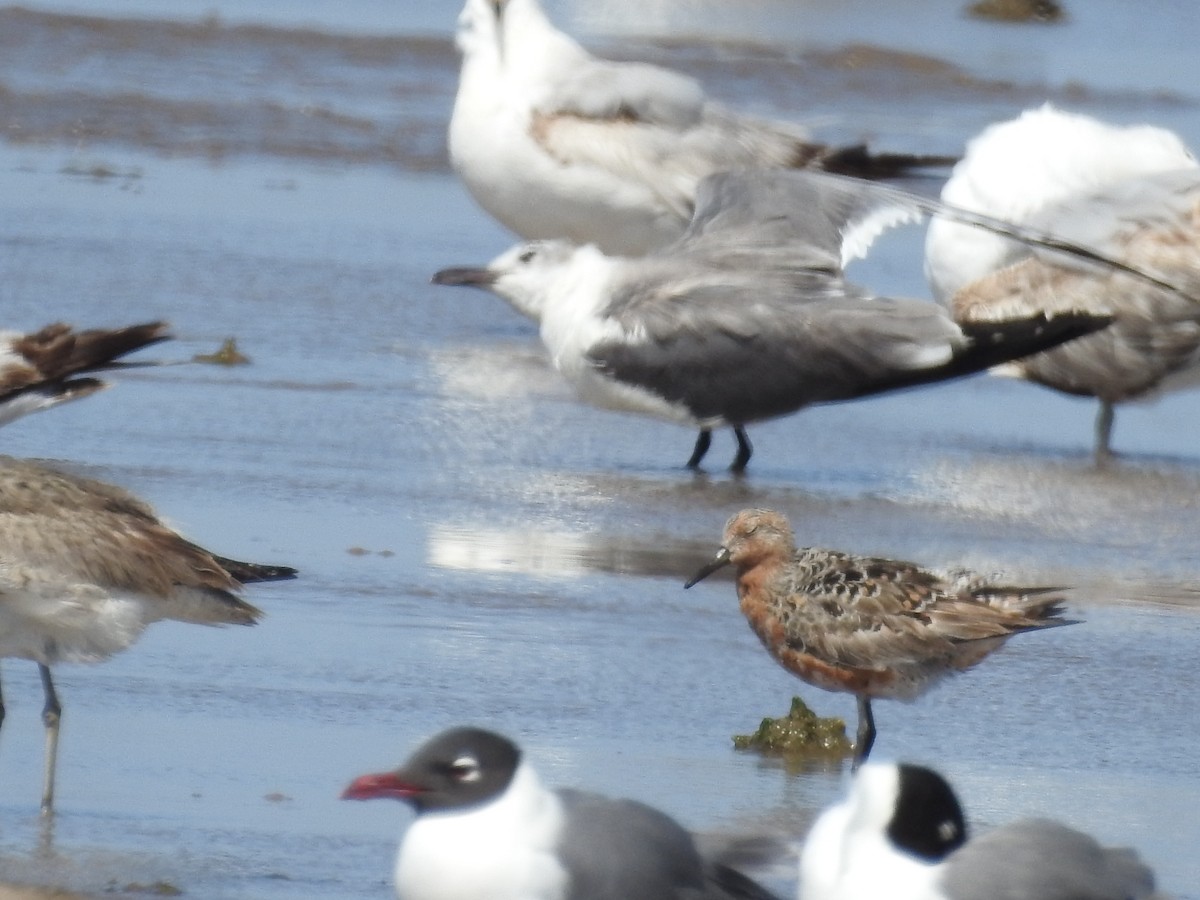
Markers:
<point>51,714</point>
<point>866,731</point>
<point>744,452</point>
<point>703,440</point>
<point>1104,426</point>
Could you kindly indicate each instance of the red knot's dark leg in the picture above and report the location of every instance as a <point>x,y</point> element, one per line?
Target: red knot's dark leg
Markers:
<point>866,731</point>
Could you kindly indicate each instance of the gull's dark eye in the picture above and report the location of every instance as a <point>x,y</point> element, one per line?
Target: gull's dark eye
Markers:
<point>527,256</point>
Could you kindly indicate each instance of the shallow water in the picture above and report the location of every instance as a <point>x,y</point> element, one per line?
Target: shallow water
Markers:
<point>478,546</point>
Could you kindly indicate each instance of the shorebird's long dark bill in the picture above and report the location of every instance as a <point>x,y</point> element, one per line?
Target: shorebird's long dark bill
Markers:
<point>465,275</point>
<point>721,559</point>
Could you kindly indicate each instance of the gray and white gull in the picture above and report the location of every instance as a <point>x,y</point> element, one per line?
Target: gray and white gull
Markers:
<point>901,834</point>
<point>87,566</point>
<point>749,316</point>
<point>1132,193</point>
<point>487,829</point>
<point>556,143</point>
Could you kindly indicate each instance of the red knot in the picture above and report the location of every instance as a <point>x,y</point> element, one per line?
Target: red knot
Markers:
<point>866,626</point>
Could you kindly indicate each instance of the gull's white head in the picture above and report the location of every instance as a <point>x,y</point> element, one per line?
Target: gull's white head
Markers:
<point>526,275</point>
<point>479,28</point>
<point>512,31</point>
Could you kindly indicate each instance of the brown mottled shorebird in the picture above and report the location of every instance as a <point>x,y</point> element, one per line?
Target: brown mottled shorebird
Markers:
<point>86,566</point>
<point>865,626</point>
<point>51,366</point>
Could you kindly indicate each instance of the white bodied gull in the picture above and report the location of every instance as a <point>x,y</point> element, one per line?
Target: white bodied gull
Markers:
<point>748,316</point>
<point>487,829</point>
<point>87,566</point>
<point>901,835</point>
<point>556,143</point>
<point>55,364</point>
<point>1132,193</point>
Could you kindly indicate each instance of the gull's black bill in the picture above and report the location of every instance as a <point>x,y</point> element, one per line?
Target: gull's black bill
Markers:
<point>465,275</point>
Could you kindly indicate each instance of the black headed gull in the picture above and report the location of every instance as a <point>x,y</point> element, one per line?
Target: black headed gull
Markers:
<point>555,143</point>
<point>901,834</point>
<point>55,364</point>
<point>1132,193</point>
<point>865,626</point>
<point>748,316</point>
<point>87,566</point>
<point>487,829</point>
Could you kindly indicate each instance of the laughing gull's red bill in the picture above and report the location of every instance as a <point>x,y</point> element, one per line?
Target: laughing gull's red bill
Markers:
<point>555,143</point>
<point>901,835</point>
<point>867,626</point>
<point>749,315</point>
<point>487,829</point>
<point>1132,192</point>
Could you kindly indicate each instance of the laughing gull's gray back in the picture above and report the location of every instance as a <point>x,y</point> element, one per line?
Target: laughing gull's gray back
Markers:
<point>486,829</point>
<point>58,363</point>
<point>556,143</point>
<point>901,834</point>
<point>1131,192</point>
<point>749,316</point>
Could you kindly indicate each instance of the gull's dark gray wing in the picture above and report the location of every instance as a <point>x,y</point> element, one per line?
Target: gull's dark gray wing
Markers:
<point>1043,859</point>
<point>625,850</point>
<point>742,345</point>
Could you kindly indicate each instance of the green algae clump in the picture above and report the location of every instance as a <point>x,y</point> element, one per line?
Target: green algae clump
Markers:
<point>800,733</point>
<point>227,355</point>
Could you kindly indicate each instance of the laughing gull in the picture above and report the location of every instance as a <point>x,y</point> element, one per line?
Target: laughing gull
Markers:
<point>486,829</point>
<point>555,143</point>
<point>865,626</point>
<point>87,566</point>
<point>1132,192</point>
<point>748,316</point>
<point>901,835</point>
<point>53,365</point>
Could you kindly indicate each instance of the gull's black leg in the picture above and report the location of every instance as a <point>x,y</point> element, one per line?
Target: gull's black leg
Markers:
<point>744,451</point>
<point>702,442</point>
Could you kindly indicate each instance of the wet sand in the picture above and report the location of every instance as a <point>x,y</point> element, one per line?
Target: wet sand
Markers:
<point>477,546</point>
